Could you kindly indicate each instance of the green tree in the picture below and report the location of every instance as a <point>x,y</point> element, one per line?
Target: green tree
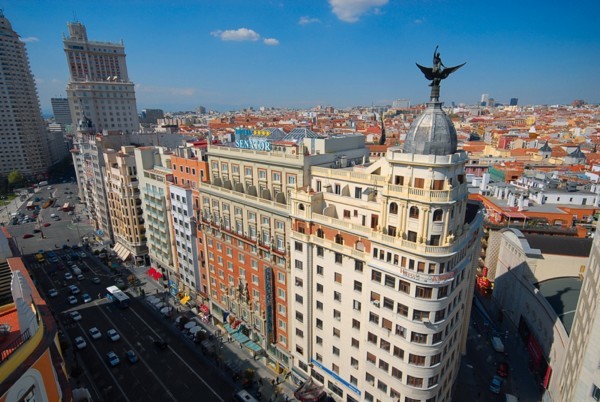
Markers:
<point>15,178</point>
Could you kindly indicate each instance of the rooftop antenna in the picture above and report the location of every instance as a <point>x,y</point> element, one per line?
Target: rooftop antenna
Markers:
<point>75,16</point>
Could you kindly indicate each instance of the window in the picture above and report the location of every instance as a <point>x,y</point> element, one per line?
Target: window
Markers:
<point>438,214</point>
<point>319,305</point>
<point>354,362</point>
<point>396,373</point>
<point>319,288</point>
<point>423,292</point>
<point>381,386</point>
<point>338,258</point>
<point>372,338</point>
<point>402,310</point>
<point>336,351</point>
<point>432,381</point>
<point>394,208</point>
<point>319,251</point>
<point>416,360</point>
<point>297,246</point>
<point>369,378</point>
<point>442,292</point>
<point>419,182</point>
<point>319,340</point>
<point>320,233</point>
<point>400,331</point>
<point>337,277</point>
<point>358,265</point>
<point>420,315</point>
<point>371,358</point>
<point>413,213</point>
<point>376,276</point>
<point>355,343</point>
<point>384,365</point>
<point>390,281</point>
<point>399,353</point>
<point>337,296</point>
<point>298,264</point>
<point>435,359</point>
<point>299,316</point>
<point>418,338</point>
<point>356,305</point>
<point>337,314</point>
<point>319,324</point>
<point>437,338</point>
<point>385,345</point>
<point>355,324</point>
<point>403,286</point>
<point>414,381</point>
<point>388,303</point>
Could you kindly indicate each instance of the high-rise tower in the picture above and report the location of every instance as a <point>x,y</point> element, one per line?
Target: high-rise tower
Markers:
<point>99,86</point>
<point>23,137</point>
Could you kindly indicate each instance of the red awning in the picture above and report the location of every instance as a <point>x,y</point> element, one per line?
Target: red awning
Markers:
<point>157,275</point>
<point>151,271</point>
<point>204,309</point>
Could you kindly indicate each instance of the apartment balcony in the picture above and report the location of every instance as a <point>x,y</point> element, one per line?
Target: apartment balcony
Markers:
<point>424,195</point>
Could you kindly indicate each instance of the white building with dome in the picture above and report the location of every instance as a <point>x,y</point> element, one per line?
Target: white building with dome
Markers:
<point>383,258</point>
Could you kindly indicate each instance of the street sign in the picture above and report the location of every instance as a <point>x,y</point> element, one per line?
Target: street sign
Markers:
<point>100,232</point>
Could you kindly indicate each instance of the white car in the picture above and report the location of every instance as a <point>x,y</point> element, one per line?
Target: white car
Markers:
<point>68,276</point>
<point>113,335</point>
<point>74,289</point>
<point>75,315</point>
<point>53,292</point>
<point>86,298</point>
<point>72,300</point>
<point>95,333</point>
<point>80,342</point>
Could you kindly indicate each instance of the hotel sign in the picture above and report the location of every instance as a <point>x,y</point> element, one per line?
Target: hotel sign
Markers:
<point>246,139</point>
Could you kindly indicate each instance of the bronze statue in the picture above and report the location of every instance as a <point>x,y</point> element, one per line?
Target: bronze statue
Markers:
<point>436,74</point>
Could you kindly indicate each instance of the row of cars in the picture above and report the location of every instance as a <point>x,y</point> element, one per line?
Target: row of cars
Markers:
<point>111,357</point>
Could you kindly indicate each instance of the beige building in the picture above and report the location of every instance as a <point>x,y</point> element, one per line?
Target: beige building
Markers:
<point>125,204</point>
<point>383,260</point>
<point>580,376</point>
<point>154,174</point>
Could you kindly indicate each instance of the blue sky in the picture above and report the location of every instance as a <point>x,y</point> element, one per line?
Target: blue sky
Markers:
<point>227,54</point>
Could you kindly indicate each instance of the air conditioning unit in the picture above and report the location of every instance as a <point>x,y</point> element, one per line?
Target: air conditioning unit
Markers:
<point>375,302</point>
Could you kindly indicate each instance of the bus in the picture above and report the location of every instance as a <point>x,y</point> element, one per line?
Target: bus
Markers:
<point>118,297</point>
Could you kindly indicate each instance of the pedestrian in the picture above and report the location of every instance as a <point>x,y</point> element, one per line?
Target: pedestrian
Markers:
<point>260,380</point>
<point>273,382</point>
<point>241,346</point>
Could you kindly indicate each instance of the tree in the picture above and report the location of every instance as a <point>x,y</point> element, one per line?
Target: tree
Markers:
<point>14,178</point>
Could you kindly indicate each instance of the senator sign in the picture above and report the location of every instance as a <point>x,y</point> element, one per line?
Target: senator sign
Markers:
<point>246,139</point>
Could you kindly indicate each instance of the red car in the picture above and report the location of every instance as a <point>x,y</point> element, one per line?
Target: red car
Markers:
<point>27,236</point>
<point>502,369</point>
<point>46,225</point>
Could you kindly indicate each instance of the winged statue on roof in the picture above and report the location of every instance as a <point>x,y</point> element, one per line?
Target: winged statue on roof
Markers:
<point>437,73</point>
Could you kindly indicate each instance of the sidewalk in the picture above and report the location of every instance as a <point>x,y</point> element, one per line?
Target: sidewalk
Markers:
<point>231,356</point>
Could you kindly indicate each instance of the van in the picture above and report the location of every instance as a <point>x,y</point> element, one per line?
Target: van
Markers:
<point>244,396</point>
<point>497,344</point>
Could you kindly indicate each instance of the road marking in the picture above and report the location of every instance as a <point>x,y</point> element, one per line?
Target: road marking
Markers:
<point>140,357</point>
<point>91,343</point>
<point>180,358</point>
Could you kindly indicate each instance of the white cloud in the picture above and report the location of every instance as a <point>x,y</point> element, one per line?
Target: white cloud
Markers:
<point>419,20</point>
<point>308,20</point>
<point>29,39</point>
<point>241,34</point>
<point>271,41</point>
<point>351,10</point>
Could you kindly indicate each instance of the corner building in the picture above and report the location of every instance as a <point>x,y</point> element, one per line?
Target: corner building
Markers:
<point>382,258</point>
<point>244,223</point>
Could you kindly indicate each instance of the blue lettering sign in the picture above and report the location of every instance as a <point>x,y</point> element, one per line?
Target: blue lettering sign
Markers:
<point>337,377</point>
<point>258,145</point>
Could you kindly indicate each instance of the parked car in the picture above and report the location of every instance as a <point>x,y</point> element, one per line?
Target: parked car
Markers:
<point>161,344</point>
<point>72,300</point>
<point>95,333</point>
<point>74,290</point>
<point>496,384</point>
<point>27,236</point>
<point>96,280</point>
<point>86,298</point>
<point>68,275</point>
<point>52,292</point>
<point>80,342</point>
<point>113,359</point>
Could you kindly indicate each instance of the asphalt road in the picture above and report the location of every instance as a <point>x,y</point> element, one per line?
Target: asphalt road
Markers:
<point>178,373</point>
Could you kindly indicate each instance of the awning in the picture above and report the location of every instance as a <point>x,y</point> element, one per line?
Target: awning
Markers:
<point>252,346</point>
<point>184,300</point>
<point>514,215</point>
<point>229,329</point>
<point>240,337</point>
<point>204,308</point>
<point>121,251</point>
<point>151,272</point>
<point>309,391</point>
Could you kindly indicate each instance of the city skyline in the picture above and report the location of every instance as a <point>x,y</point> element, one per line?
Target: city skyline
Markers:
<point>339,53</point>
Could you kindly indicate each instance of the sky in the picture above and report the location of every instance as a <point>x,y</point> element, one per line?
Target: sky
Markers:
<point>232,54</point>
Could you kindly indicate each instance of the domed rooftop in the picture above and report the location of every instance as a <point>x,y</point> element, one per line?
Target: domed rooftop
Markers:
<point>432,133</point>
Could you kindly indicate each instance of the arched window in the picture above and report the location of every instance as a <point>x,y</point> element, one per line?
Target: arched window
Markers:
<point>394,208</point>
<point>339,239</point>
<point>320,233</point>
<point>413,213</point>
<point>301,207</point>
<point>438,214</point>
